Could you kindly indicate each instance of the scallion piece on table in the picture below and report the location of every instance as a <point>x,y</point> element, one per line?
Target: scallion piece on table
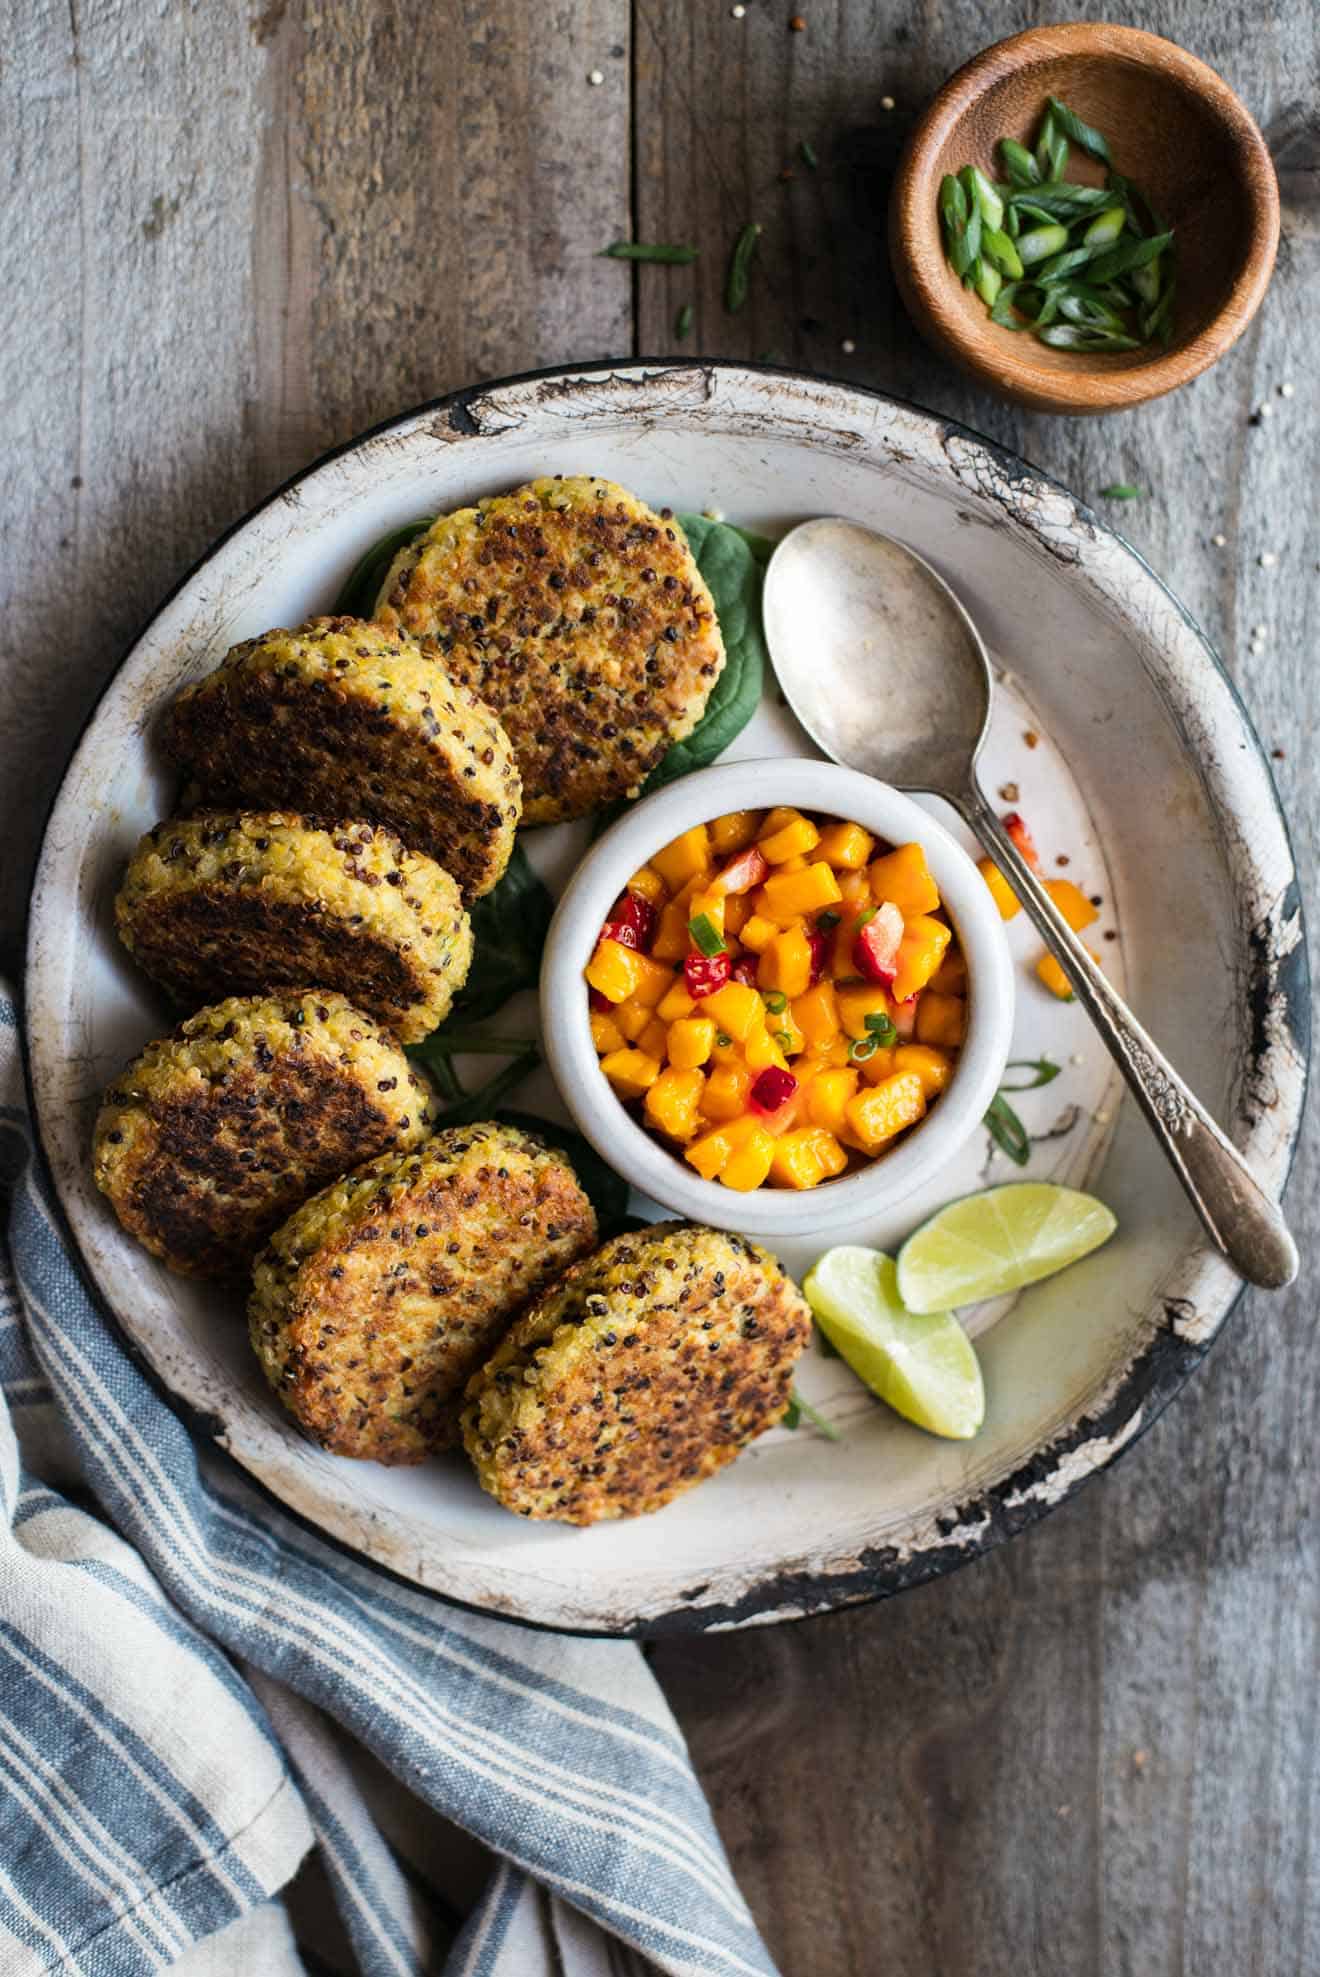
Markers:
<point>649,250</point>
<point>706,935</point>
<point>1082,267</point>
<point>740,262</point>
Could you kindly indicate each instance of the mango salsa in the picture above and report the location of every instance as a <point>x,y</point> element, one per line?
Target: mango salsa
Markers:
<point>779,997</point>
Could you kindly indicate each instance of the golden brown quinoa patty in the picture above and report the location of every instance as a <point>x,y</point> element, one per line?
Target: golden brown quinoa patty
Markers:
<point>579,615</point>
<point>376,1300</point>
<point>214,1135</point>
<point>640,1373</point>
<point>265,899</point>
<point>339,718</point>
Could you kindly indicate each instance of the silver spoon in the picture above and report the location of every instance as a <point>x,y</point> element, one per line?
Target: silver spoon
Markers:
<point>845,606</point>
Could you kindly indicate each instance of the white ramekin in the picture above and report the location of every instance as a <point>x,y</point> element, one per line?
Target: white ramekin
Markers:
<point>600,878</point>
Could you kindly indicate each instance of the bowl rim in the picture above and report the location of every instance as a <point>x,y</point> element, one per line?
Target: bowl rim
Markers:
<point>923,276</point>
<point>812,783</point>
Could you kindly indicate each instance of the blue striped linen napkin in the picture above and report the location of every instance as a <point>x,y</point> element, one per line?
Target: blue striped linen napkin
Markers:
<point>195,1690</point>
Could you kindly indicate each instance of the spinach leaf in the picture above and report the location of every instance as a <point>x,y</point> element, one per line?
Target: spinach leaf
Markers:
<point>732,563</point>
<point>481,1103</point>
<point>509,926</point>
<point>605,1190</point>
<point>361,588</point>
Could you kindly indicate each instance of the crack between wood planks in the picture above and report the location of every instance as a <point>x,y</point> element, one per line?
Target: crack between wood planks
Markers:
<point>76,58</point>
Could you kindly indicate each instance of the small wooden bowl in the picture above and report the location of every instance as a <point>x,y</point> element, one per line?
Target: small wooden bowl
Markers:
<point>1175,129</point>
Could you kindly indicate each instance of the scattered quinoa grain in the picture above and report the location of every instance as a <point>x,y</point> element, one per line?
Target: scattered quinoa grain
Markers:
<point>1267,559</point>
<point>798,24</point>
<point>847,346</point>
<point>1219,539</point>
<point>1031,738</point>
<point>1009,792</point>
<point>596,78</point>
<point>1287,388</point>
<point>886,102</point>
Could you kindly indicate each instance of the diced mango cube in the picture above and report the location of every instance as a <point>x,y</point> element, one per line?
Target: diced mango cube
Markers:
<point>672,1101</point>
<point>775,820</point>
<point>941,1020</point>
<point>672,939</point>
<point>691,1041</point>
<point>806,1157</point>
<point>791,895</point>
<point>933,1067</point>
<point>631,1018</point>
<point>854,892</point>
<point>783,1028</point>
<point>686,858</point>
<point>762,1051</point>
<point>736,1008</point>
<point>816,1013</point>
<point>605,1033</point>
<point>725,1050</point>
<point>1054,978</point>
<point>675,1004</point>
<point>1000,890</point>
<point>903,877</point>
<point>786,963</point>
<point>1072,902</point>
<point>875,1115</point>
<point>879,1065</point>
<point>708,1154</point>
<point>857,1001</point>
<point>905,1017</point>
<point>757,932</point>
<point>725,1096</point>
<point>845,846</point>
<point>737,912</point>
<point>705,905</point>
<point>749,1163</point>
<point>828,1098</point>
<point>630,1072</point>
<point>614,970</point>
<point>791,840</point>
<point>654,981</point>
<point>649,885</point>
<point>654,1040</point>
<point>919,954</point>
<point>734,831</point>
<point>950,978</point>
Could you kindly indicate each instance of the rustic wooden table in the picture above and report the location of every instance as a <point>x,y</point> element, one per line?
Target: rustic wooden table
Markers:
<point>238,234</point>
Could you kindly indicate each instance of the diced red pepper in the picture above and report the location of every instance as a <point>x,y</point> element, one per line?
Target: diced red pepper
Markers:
<point>1015,825</point>
<point>744,970</point>
<point>772,1089</point>
<point>600,1003</point>
<point>704,973</point>
<point>905,1016</point>
<point>875,950</point>
<point>632,923</point>
<point>819,944</point>
<point>748,869</point>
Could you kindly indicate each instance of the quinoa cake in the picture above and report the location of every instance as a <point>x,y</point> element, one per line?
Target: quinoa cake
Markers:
<point>216,1133</point>
<point>379,1297</point>
<point>340,718</point>
<point>579,615</point>
<point>237,903</point>
<point>643,1371</point>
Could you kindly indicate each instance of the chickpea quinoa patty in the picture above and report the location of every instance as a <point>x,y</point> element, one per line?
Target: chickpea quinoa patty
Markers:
<point>643,1371</point>
<point>215,1134</point>
<point>345,719</point>
<point>244,902</point>
<point>579,615</point>
<point>378,1298</point>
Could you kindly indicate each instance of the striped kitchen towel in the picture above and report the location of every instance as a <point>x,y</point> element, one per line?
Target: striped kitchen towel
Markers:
<point>197,1690</point>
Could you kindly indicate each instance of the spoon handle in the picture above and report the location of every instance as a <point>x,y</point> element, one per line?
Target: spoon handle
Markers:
<point>1244,1224</point>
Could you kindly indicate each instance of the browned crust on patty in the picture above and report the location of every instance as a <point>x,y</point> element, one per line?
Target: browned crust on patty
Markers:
<point>211,1138</point>
<point>339,718</point>
<point>579,615</point>
<point>375,1302</point>
<point>643,1371</point>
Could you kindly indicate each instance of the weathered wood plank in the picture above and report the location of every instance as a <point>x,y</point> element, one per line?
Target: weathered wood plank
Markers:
<point>244,234</point>
<point>1095,1751</point>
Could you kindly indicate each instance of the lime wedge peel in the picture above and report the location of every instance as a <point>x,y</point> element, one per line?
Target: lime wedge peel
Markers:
<point>998,1241</point>
<point>923,1366</point>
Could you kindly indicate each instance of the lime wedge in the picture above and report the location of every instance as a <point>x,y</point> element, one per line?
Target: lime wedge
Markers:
<point>925,1368</point>
<point>998,1241</point>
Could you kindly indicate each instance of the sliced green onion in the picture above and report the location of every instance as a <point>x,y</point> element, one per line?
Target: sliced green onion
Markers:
<point>1120,491</point>
<point>722,1039</point>
<point>1043,1069</point>
<point>883,1028</point>
<point>784,1039</point>
<point>775,1001</point>
<point>1072,126</point>
<point>807,153</point>
<point>1007,1130</point>
<point>981,193</point>
<point>1131,254</point>
<point>1041,242</point>
<point>1018,162</point>
<point>1105,228</point>
<point>706,935</point>
<point>649,250</point>
<point>999,248</point>
<point>861,1048</point>
<point>740,262</point>
<point>1061,265</point>
<point>987,281</point>
<point>682,322</point>
<point>826,920</point>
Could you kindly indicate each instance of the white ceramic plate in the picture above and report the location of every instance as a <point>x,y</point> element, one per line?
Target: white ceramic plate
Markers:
<point>1148,779</point>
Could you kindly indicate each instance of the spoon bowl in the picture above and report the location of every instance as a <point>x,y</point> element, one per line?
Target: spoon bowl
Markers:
<point>888,674</point>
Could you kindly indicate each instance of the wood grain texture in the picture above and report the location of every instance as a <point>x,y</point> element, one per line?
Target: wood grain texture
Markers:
<point>246,232</point>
